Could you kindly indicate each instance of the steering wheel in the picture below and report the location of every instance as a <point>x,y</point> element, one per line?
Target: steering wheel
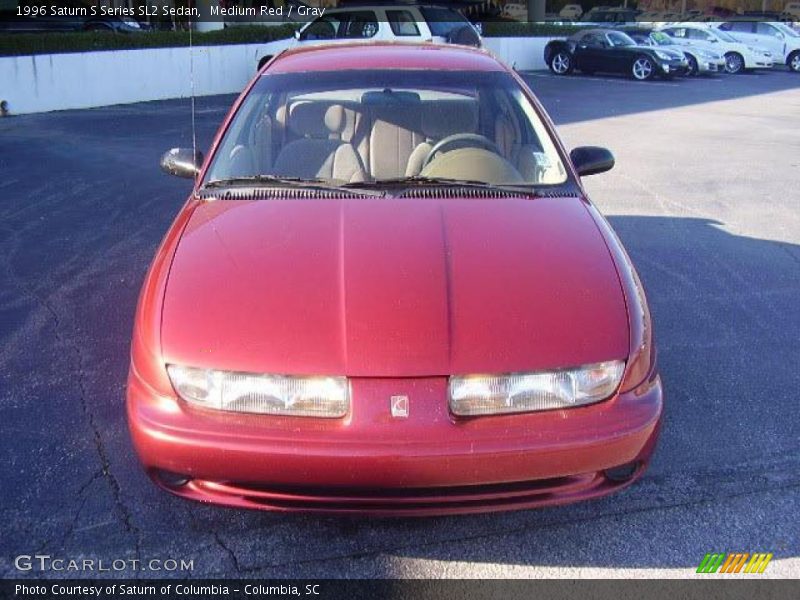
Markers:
<point>460,140</point>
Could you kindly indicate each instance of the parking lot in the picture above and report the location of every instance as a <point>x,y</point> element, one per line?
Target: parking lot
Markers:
<point>705,198</point>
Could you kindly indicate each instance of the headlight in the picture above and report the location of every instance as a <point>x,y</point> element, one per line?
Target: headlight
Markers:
<point>664,55</point>
<point>263,394</point>
<point>545,390</point>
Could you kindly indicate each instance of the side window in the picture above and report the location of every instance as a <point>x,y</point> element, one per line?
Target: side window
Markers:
<point>594,41</point>
<point>677,33</point>
<point>767,29</point>
<point>323,28</point>
<point>741,27</point>
<point>699,34</point>
<point>360,25</point>
<point>402,22</point>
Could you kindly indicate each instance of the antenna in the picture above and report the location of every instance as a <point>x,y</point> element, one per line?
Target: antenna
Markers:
<point>191,93</point>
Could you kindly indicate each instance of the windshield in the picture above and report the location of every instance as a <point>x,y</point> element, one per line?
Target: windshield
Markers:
<point>786,29</point>
<point>725,37</point>
<point>617,38</point>
<point>352,127</point>
<point>661,38</point>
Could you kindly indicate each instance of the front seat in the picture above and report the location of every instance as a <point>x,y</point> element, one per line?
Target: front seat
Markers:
<point>319,151</point>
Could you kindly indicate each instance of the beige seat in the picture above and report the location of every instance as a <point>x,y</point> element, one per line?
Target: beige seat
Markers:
<point>522,156</point>
<point>319,150</point>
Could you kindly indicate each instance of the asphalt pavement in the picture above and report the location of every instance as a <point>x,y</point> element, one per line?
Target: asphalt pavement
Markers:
<point>705,198</point>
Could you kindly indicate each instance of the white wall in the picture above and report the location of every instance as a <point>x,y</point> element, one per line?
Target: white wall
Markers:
<point>83,80</point>
<point>524,54</point>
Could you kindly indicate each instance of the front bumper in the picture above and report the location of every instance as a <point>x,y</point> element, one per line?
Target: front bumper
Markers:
<point>673,67</point>
<point>705,65</point>
<point>369,462</point>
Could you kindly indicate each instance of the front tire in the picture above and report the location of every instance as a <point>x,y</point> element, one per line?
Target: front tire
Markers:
<point>694,69</point>
<point>794,61</point>
<point>734,63</point>
<point>561,63</point>
<point>643,68</point>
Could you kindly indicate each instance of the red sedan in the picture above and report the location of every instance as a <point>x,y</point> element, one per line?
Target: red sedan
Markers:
<point>388,293</point>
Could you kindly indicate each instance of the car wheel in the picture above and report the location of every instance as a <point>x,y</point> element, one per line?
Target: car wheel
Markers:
<point>561,63</point>
<point>263,61</point>
<point>643,68</point>
<point>693,68</point>
<point>794,61</point>
<point>734,63</point>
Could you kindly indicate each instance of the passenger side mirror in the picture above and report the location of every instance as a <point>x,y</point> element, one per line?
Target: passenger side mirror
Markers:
<point>182,162</point>
<point>590,160</point>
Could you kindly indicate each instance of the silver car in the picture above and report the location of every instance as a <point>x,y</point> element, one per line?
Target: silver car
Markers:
<point>702,60</point>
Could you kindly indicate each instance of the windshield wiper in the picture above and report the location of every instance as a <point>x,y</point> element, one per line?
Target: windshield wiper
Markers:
<point>421,180</point>
<point>277,180</point>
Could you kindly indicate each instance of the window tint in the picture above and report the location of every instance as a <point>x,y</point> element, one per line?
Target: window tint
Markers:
<point>402,22</point>
<point>678,33</point>
<point>738,26</point>
<point>698,34</point>
<point>442,20</point>
<point>324,28</point>
<point>767,29</point>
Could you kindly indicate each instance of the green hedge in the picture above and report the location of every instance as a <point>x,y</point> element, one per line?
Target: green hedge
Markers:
<point>85,41</point>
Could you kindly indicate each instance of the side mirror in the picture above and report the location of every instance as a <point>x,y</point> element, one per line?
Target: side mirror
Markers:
<point>590,160</point>
<point>297,34</point>
<point>182,162</point>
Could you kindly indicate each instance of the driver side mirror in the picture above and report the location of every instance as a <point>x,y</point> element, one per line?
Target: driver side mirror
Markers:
<point>182,162</point>
<point>590,160</point>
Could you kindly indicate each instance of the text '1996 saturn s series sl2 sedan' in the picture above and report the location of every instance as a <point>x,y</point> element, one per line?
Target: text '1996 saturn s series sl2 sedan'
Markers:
<point>389,294</point>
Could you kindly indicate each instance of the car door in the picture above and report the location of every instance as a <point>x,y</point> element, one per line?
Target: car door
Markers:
<point>615,56</point>
<point>589,52</point>
<point>770,37</point>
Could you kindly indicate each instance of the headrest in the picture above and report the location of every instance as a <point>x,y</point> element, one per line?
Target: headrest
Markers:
<point>446,117</point>
<point>315,119</point>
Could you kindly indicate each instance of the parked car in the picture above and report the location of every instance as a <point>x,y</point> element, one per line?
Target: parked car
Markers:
<point>739,57</point>
<point>34,16</point>
<point>701,61</point>
<point>517,12</point>
<point>791,11</point>
<point>379,23</point>
<point>605,15</point>
<point>611,51</point>
<point>387,276</point>
<point>571,12</point>
<point>782,41</point>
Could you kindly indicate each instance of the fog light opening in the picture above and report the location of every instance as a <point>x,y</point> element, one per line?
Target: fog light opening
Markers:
<point>622,473</point>
<point>170,479</point>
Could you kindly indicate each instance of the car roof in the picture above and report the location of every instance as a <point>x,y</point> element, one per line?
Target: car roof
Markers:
<point>384,55</point>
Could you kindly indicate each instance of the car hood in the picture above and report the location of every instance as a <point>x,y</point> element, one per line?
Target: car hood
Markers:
<point>393,287</point>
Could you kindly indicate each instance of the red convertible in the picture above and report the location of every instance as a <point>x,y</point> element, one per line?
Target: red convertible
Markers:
<point>388,293</point>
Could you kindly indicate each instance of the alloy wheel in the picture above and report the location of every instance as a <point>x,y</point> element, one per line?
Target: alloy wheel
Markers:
<point>561,63</point>
<point>693,67</point>
<point>794,63</point>
<point>734,63</point>
<point>642,68</point>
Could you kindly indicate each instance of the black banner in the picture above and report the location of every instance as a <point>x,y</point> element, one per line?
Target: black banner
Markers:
<point>240,589</point>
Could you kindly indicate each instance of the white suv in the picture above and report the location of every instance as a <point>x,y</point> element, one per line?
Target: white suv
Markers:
<point>782,41</point>
<point>379,23</point>
<point>738,55</point>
